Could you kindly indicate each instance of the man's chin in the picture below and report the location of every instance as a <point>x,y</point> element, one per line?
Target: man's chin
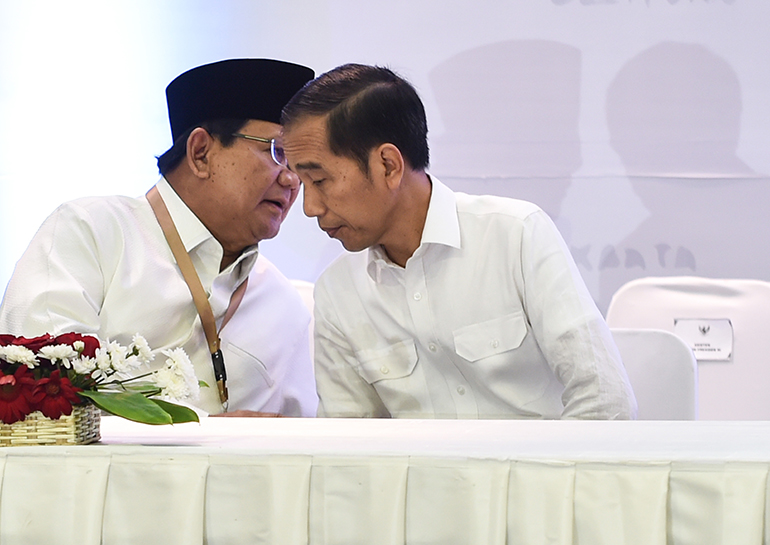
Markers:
<point>353,247</point>
<point>269,233</point>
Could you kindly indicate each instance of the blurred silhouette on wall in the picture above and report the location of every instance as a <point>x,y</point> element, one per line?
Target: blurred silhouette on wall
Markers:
<point>673,113</point>
<point>510,112</point>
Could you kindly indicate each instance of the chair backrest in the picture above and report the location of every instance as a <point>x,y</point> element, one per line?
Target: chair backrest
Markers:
<point>305,290</point>
<point>735,388</point>
<point>663,373</point>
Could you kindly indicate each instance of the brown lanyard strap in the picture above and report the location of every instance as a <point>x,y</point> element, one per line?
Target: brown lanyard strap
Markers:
<point>196,289</point>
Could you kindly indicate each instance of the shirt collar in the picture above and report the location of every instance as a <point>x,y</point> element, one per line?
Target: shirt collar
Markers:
<point>191,230</point>
<point>441,227</point>
<point>441,223</point>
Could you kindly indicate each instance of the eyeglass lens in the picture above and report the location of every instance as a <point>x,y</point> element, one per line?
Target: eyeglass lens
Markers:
<point>276,150</point>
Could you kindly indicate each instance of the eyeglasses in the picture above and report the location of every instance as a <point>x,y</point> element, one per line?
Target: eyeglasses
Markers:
<point>276,150</point>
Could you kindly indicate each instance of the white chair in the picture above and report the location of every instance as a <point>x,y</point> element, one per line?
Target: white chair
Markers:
<point>663,373</point>
<point>305,290</point>
<point>735,388</point>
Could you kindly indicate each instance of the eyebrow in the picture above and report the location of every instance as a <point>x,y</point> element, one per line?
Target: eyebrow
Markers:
<point>308,165</point>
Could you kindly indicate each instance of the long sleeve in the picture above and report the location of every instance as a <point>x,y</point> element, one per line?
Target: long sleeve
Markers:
<point>58,284</point>
<point>569,329</point>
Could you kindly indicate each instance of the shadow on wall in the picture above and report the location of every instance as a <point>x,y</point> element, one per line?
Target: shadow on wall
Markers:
<point>510,112</point>
<point>673,114</point>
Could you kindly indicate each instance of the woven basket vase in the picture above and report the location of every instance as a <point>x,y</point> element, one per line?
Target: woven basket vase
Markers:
<point>79,428</point>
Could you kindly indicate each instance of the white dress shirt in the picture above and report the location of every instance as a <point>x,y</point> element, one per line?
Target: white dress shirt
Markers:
<point>102,266</point>
<point>488,319</point>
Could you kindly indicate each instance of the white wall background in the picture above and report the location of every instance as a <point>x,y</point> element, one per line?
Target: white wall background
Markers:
<point>642,126</point>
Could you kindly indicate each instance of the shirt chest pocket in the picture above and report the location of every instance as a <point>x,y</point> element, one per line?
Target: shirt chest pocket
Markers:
<point>476,341</point>
<point>388,363</point>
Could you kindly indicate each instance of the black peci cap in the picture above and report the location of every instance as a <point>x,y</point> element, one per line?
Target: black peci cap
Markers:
<point>233,89</point>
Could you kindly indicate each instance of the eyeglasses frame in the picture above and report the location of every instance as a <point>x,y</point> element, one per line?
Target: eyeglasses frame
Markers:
<point>270,141</point>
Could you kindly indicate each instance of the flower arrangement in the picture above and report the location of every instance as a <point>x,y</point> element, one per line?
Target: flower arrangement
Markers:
<point>51,374</point>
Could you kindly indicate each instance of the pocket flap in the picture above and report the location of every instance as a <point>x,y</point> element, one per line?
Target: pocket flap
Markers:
<point>484,339</point>
<point>391,362</point>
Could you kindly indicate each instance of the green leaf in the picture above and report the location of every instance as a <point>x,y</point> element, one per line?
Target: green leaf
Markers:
<point>179,414</point>
<point>138,386</point>
<point>129,405</point>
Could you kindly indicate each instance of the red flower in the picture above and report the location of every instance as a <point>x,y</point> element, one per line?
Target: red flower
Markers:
<point>34,344</point>
<point>91,343</point>
<point>15,395</point>
<point>53,396</point>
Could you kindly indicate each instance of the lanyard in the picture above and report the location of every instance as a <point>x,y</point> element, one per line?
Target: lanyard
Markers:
<point>196,290</point>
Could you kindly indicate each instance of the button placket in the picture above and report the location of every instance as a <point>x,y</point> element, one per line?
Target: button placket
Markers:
<point>418,301</point>
<point>421,310</point>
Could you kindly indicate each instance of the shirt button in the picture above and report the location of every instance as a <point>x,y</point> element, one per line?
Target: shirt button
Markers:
<point>461,390</point>
<point>432,347</point>
<point>417,296</point>
<point>384,370</point>
<point>494,343</point>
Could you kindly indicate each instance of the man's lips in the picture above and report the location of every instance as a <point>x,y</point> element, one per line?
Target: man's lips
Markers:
<point>331,231</point>
<point>278,203</point>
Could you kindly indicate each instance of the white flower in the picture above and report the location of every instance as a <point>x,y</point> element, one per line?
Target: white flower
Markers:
<point>142,350</point>
<point>59,352</point>
<point>19,354</point>
<point>84,365</point>
<point>103,364</point>
<point>79,346</point>
<point>103,361</point>
<point>177,379</point>
<point>118,356</point>
<point>122,363</point>
<point>133,362</point>
<point>172,386</point>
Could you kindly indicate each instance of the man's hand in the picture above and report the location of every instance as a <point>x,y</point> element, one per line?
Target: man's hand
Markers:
<point>248,414</point>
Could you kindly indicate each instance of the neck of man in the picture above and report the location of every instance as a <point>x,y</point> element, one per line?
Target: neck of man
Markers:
<point>182,185</point>
<point>228,258</point>
<point>411,211</point>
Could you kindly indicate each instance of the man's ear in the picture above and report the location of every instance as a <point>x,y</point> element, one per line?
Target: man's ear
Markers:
<point>199,145</point>
<point>390,164</point>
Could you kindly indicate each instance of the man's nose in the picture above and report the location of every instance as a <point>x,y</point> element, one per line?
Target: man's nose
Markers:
<point>287,178</point>
<point>311,204</point>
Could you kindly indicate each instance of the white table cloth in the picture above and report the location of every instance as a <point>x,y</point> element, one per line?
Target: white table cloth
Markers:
<point>327,481</point>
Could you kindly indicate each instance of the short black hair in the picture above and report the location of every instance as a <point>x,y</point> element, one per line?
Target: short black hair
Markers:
<point>221,129</point>
<point>366,106</point>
